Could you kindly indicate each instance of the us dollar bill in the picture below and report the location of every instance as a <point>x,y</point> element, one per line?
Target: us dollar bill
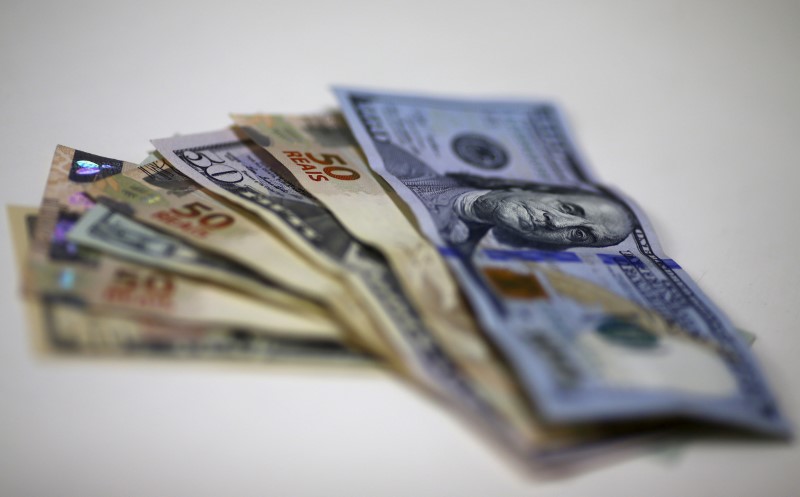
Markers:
<point>58,268</point>
<point>64,326</point>
<point>565,273</point>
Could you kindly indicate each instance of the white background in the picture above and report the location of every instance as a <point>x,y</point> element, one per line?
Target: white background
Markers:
<point>690,107</point>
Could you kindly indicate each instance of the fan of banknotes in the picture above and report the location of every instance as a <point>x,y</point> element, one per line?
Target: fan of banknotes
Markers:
<point>463,244</point>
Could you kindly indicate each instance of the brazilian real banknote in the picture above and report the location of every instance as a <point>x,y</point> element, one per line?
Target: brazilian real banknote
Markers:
<point>65,326</point>
<point>57,268</point>
<point>112,232</point>
<point>565,274</point>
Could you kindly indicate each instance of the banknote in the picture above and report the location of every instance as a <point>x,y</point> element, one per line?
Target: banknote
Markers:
<point>565,274</point>
<point>59,268</point>
<point>62,326</point>
<point>320,154</point>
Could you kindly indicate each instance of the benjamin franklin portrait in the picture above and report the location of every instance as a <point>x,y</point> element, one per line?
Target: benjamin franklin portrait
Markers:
<point>467,208</point>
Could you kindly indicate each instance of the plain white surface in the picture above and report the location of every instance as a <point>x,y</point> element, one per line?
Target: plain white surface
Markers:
<point>692,108</point>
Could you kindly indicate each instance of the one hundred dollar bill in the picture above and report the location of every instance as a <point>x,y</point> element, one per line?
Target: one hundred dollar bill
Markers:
<point>564,273</point>
<point>63,326</point>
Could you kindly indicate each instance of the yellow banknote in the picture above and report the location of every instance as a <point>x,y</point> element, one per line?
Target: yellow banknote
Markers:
<point>64,327</point>
<point>232,169</point>
<point>58,267</point>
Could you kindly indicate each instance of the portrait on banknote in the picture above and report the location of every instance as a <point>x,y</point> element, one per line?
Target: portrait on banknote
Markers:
<point>468,208</point>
